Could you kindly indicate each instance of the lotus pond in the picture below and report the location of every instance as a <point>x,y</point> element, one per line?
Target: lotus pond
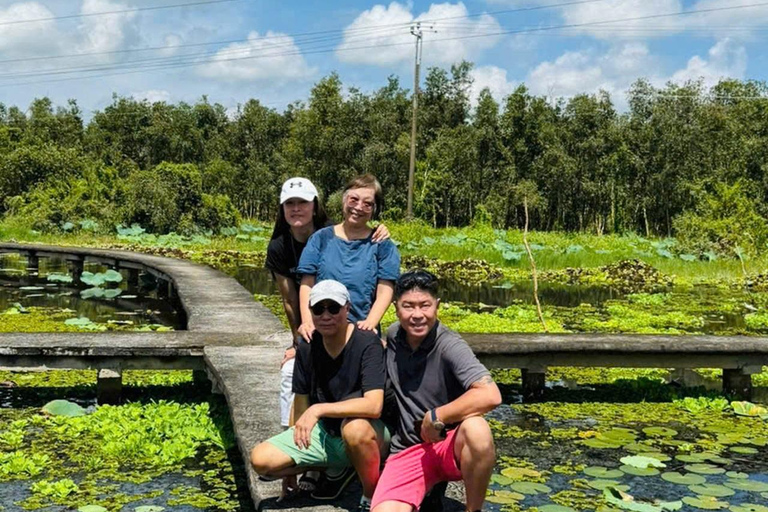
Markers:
<point>55,298</point>
<point>170,447</point>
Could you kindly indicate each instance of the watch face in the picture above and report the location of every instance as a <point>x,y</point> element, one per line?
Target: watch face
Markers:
<point>438,425</point>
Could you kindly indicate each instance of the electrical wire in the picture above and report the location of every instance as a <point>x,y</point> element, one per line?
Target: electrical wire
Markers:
<point>121,11</point>
<point>179,63</point>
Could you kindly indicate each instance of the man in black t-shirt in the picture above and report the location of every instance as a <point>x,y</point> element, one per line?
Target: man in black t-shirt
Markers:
<point>339,384</point>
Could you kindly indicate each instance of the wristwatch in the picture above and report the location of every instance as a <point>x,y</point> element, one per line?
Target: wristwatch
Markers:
<point>437,424</point>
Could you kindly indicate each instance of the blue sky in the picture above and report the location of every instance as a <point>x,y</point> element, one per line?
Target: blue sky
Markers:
<point>275,51</point>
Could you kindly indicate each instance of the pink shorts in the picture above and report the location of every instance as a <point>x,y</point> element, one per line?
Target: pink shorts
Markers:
<point>410,474</point>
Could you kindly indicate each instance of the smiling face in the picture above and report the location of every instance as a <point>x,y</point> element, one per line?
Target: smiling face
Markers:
<point>327,322</point>
<point>358,205</point>
<point>417,312</point>
<point>298,212</point>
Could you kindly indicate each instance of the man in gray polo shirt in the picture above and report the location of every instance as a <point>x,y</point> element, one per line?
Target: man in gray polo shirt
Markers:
<point>442,391</point>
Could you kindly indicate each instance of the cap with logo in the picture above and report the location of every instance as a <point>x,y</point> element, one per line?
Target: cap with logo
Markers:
<point>329,290</point>
<point>301,188</point>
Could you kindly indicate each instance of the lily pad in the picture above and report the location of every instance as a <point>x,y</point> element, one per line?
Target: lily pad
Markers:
<point>504,497</point>
<point>704,469</point>
<point>59,278</point>
<point>113,276</point>
<point>747,485</point>
<point>748,409</point>
<point>749,507</point>
<point>737,475</point>
<point>602,472</point>
<point>705,502</point>
<point>747,450</point>
<point>659,432</point>
<point>92,293</point>
<point>63,408</point>
<point>519,473</point>
<point>596,442</point>
<point>718,491</point>
<point>631,470</point>
<point>691,457</point>
<point>663,457</point>
<point>600,484</point>
<point>678,478</point>
<point>559,508</point>
<point>501,479</point>
<point>638,461</point>
<point>530,488</point>
<point>91,508</point>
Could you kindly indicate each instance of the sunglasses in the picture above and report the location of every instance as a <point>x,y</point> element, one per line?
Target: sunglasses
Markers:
<point>319,308</point>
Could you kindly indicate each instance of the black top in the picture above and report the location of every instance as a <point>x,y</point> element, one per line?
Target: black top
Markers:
<point>283,255</point>
<point>359,368</point>
<point>439,371</point>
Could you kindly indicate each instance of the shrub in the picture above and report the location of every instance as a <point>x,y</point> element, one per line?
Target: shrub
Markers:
<point>164,198</point>
<point>723,220</point>
<point>27,166</point>
<point>51,204</point>
<point>217,212</point>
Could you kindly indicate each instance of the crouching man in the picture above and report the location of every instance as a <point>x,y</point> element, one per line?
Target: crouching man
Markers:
<point>442,391</point>
<point>339,384</point>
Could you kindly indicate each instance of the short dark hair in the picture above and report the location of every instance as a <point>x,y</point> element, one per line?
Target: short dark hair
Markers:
<point>421,279</point>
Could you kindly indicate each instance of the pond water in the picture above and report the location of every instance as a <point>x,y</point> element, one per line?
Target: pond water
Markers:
<point>169,446</point>
<point>139,303</point>
<point>716,310</point>
<point>561,454</point>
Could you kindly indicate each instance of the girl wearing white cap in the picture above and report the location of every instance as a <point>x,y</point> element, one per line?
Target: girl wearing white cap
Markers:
<point>299,216</point>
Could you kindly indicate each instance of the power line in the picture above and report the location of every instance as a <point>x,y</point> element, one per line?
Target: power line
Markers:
<point>294,36</point>
<point>121,11</point>
<point>178,64</point>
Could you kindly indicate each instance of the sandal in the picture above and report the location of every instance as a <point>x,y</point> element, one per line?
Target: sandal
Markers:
<point>308,481</point>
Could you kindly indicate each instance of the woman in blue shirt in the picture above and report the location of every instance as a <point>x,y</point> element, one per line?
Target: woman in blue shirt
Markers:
<point>346,253</point>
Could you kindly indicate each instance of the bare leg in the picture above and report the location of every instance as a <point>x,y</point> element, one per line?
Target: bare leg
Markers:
<point>267,460</point>
<point>393,506</point>
<point>363,450</point>
<point>476,455</point>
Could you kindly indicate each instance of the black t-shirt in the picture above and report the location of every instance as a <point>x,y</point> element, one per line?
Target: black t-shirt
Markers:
<point>359,368</point>
<point>283,255</point>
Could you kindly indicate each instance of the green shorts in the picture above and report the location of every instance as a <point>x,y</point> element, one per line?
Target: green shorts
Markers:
<point>325,450</point>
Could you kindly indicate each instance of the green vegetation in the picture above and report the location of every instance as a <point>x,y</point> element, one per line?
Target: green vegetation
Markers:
<point>88,458</point>
<point>684,159</point>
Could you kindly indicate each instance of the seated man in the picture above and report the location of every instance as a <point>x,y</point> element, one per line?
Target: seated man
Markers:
<point>339,385</point>
<point>442,391</point>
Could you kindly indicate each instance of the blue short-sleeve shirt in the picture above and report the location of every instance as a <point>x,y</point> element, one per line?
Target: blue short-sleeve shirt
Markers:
<point>358,264</point>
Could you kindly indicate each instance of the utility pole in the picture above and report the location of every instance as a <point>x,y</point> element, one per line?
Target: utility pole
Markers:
<point>415,31</point>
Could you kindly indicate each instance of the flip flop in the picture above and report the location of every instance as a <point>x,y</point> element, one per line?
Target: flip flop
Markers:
<point>308,481</point>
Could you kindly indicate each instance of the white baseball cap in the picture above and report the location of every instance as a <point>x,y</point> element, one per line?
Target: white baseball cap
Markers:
<point>329,289</point>
<point>298,187</point>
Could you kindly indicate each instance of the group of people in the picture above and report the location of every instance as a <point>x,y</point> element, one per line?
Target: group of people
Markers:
<point>412,402</point>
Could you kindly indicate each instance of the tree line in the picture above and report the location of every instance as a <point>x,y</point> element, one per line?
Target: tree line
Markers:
<point>675,150</point>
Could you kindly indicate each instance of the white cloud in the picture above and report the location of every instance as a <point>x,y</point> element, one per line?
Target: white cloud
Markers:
<point>171,42</point>
<point>614,71</point>
<point>714,20</point>
<point>153,95</point>
<point>588,72</point>
<point>273,56</point>
<point>725,60</point>
<point>105,33</point>
<point>23,39</point>
<point>382,34</point>
<point>492,77</point>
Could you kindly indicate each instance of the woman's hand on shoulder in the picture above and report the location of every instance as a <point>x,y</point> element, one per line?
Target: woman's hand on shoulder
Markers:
<point>380,234</point>
<point>366,325</point>
<point>306,330</point>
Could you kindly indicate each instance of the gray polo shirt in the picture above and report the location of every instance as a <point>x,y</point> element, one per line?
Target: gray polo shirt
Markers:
<point>438,372</point>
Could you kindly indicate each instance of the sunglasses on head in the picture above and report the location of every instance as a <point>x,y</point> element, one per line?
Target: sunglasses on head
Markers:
<point>320,308</point>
